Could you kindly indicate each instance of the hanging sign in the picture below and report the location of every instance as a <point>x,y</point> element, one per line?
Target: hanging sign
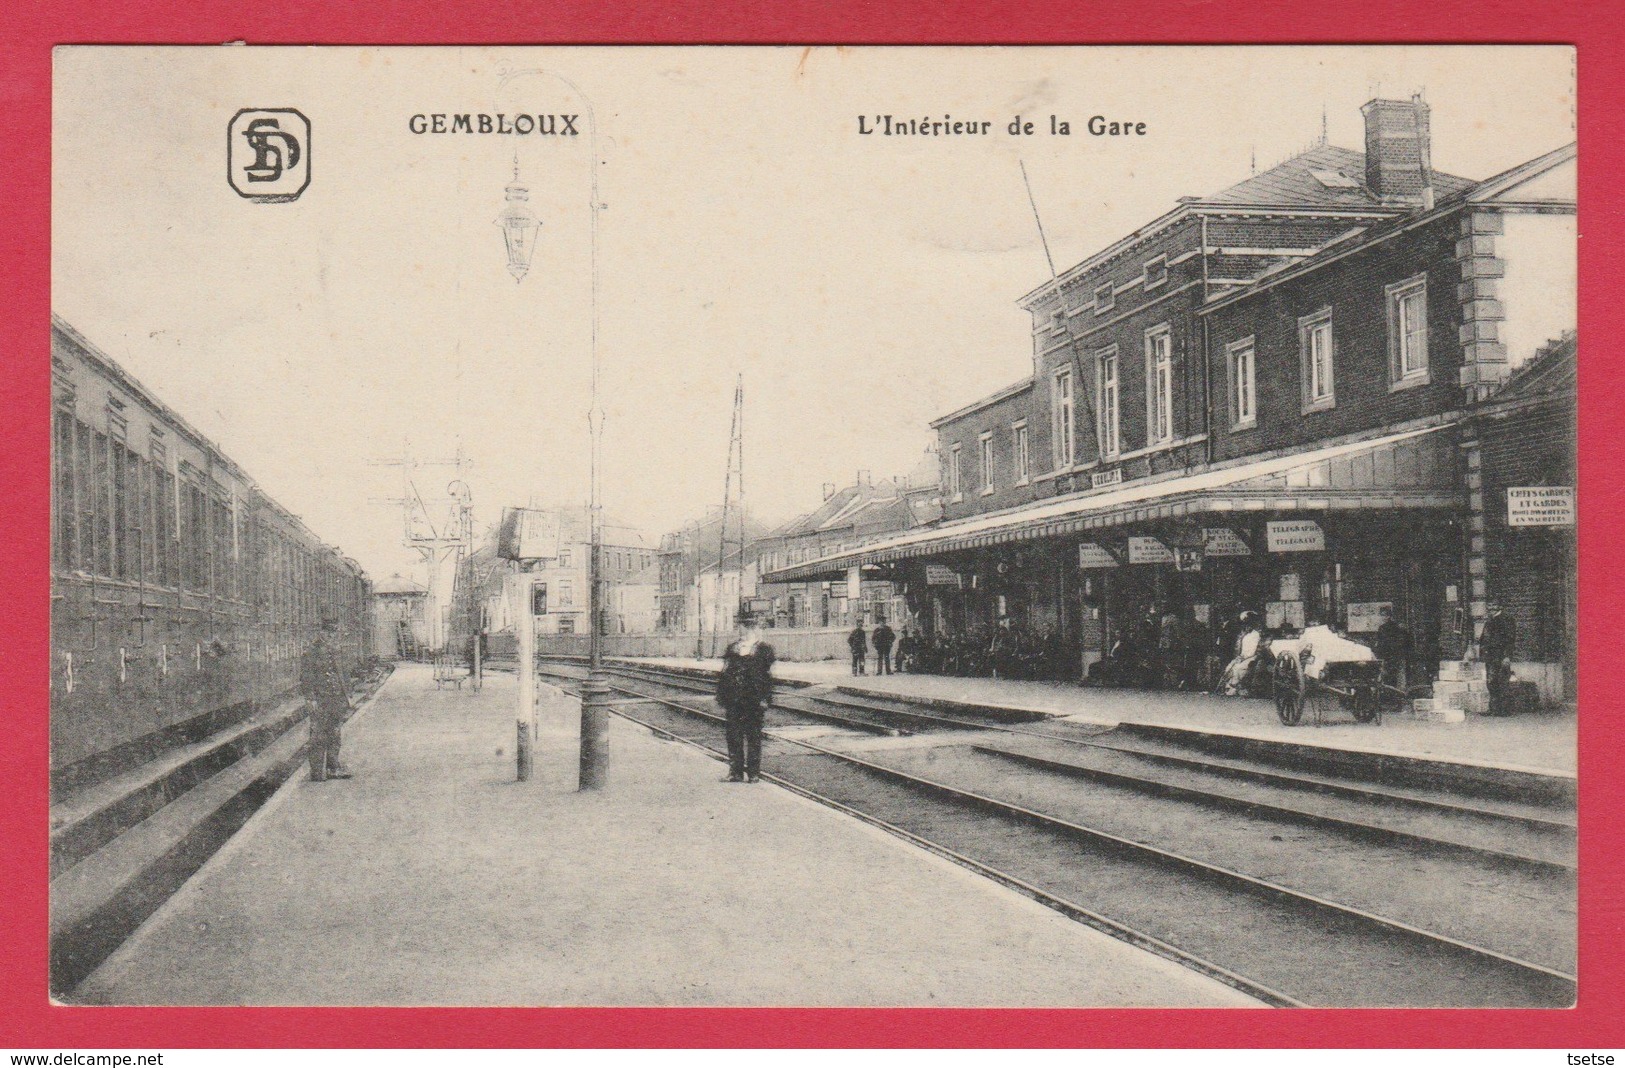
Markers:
<point>1366,616</point>
<point>1222,541</point>
<point>939,575</point>
<point>1148,551</point>
<point>1278,614</point>
<point>1295,536</point>
<point>1540,506</point>
<point>1093,555</point>
<point>1187,559</point>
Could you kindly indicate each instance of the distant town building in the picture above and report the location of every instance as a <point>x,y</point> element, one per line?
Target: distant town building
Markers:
<point>555,545</point>
<point>400,618</point>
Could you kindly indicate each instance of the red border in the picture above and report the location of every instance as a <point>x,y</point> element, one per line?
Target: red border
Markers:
<point>28,30</point>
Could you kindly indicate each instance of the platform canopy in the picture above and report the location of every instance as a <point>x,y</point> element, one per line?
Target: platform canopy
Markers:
<point>1413,469</point>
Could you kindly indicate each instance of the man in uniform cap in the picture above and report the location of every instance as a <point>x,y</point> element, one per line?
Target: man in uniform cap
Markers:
<point>327,697</point>
<point>744,690</point>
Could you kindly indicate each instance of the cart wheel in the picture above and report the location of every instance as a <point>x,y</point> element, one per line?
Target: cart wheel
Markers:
<point>1289,686</point>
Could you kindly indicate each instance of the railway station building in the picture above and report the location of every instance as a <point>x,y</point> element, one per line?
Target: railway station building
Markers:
<point>1301,396</point>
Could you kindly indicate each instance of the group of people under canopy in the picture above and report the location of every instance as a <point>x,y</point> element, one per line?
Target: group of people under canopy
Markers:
<point>1173,650</point>
<point>1008,650</point>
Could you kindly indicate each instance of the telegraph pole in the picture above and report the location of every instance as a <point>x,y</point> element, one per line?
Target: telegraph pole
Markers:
<point>525,628</point>
<point>733,498</point>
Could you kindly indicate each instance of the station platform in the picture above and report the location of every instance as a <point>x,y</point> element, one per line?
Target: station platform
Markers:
<point>1542,743</point>
<point>433,878</point>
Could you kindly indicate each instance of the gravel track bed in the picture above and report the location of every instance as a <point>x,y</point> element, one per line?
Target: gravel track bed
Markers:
<point>1506,909</point>
<point>1154,747</point>
<point>1483,830</point>
<point>1314,955</point>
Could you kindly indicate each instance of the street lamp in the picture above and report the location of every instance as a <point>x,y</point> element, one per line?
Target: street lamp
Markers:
<point>519,228</point>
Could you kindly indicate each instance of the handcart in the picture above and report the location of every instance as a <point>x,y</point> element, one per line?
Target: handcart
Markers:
<point>1325,670</point>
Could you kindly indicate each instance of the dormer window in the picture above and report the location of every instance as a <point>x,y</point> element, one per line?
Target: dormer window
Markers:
<point>1335,180</point>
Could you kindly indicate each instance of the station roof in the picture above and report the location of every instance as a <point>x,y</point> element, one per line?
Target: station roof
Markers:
<point>1399,470</point>
<point>1325,176</point>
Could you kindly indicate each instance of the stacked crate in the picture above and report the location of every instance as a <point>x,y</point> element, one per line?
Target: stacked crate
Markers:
<point>1461,688</point>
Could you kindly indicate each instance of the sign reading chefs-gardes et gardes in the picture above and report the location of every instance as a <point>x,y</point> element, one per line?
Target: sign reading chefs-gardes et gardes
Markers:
<point>1540,506</point>
<point>1295,536</point>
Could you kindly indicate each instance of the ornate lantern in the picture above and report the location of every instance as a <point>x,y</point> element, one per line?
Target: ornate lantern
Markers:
<point>519,229</point>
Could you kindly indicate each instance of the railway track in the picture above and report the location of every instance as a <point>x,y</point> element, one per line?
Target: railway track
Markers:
<point>1249,878</point>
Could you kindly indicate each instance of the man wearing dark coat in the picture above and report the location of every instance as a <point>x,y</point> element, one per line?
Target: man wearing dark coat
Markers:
<point>1393,648</point>
<point>884,638</point>
<point>858,642</point>
<point>326,690</point>
<point>1495,643</point>
<point>744,690</point>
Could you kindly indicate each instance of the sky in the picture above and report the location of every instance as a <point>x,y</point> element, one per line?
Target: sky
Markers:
<point>861,285</point>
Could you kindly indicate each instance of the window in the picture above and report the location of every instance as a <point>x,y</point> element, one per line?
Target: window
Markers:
<point>1024,471</point>
<point>123,522</point>
<point>1061,411</point>
<point>1156,272</point>
<point>953,473</point>
<point>1159,390</point>
<point>65,492</point>
<point>1408,332</point>
<point>1243,399</point>
<point>1105,297</point>
<point>1057,320</point>
<point>1106,369</point>
<point>567,591</point>
<point>986,443</point>
<point>564,557</point>
<point>1317,355</point>
<point>169,558</point>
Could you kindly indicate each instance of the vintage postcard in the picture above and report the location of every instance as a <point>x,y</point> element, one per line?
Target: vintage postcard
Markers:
<point>748,526</point>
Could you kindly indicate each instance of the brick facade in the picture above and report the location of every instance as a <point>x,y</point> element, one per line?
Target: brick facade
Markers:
<point>1366,394</point>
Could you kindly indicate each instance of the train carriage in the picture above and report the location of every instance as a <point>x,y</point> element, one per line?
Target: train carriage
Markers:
<point>181,595</point>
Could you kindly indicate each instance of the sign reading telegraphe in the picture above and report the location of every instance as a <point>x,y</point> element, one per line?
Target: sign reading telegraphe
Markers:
<point>1295,536</point>
<point>1540,506</point>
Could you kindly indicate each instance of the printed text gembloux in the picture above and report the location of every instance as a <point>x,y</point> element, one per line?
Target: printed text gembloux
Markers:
<point>464,122</point>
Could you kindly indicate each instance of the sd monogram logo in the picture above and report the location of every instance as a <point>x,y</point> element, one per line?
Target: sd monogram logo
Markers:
<point>268,154</point>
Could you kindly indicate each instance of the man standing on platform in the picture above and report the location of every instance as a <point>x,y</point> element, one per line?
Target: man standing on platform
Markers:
<point>1393,648</point>
<point>326,690</point>
<point>858,642</point>
<point>884,638</point>
<point>1495,644</point>
<point>744,690</point>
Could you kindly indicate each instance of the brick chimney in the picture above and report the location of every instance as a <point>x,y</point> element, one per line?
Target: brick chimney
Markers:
<point>1398,151</point>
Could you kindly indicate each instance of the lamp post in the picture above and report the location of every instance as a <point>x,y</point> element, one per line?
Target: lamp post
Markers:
<point>519,229</point>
